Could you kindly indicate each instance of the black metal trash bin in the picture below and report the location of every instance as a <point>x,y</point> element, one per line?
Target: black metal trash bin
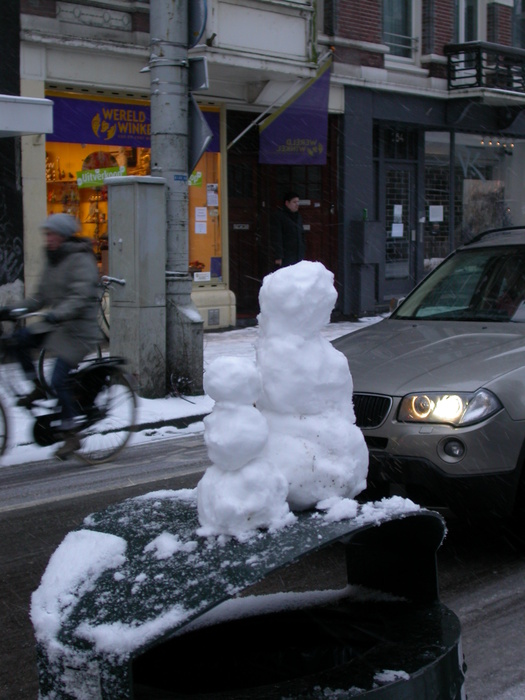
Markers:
<point>316,610</point>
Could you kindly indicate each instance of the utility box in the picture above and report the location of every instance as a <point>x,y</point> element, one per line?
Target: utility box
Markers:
<point>366,248</point>
<point>137,254</point>
<point>367,242</point>
<point>320,608</point>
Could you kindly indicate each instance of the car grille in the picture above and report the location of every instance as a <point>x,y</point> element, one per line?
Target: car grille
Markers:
<point>371,409</point>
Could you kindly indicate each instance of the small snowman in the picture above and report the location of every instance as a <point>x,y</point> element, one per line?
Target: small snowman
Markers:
<point>241,491</point>
<point>307,389</point>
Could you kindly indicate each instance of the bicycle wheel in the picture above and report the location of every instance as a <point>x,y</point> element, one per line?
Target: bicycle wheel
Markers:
<point>3,429</point>
<point>111,416</point>
<point>45,369</point>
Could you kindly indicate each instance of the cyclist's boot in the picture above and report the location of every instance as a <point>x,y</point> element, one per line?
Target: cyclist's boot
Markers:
<point>71,444</point>
<point>37,394</point>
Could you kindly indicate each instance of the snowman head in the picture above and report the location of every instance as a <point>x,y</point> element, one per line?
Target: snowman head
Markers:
<point>297,299</point>
<point>233,380</point>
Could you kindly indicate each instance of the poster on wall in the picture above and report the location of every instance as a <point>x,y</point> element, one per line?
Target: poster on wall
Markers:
<point>212,195</point>
<point>201,214</point>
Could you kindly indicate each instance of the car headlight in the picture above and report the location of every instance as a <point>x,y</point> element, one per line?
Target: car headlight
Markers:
<point>454,409</point>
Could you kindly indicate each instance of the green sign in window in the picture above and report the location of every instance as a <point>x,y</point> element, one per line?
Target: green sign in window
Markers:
<point>95,178</point>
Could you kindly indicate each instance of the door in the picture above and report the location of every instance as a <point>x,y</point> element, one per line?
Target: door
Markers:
<point>318,206</point>
<point>245,246</point>
<point>254,193</point>
<point>401,229</point>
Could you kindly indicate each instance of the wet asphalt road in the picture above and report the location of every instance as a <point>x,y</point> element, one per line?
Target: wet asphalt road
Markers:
<point>482,574</point>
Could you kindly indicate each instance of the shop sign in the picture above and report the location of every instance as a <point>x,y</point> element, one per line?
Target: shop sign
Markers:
<point>297,133</point>
<point>91,121</point>
<point>111,123</point>
<point>96,178</point>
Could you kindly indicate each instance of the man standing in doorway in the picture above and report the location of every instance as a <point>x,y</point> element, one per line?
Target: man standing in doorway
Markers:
<point>287,233</point>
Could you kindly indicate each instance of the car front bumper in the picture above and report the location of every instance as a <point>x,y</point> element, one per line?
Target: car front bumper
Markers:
<point>484,478</point>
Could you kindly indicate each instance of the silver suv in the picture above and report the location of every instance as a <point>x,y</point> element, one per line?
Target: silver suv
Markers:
<point>439,385</point>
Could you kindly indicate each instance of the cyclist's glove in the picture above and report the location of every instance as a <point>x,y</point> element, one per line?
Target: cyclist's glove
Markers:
<point>16,313</point>
<point>9,314</point>
<point>51,318</point>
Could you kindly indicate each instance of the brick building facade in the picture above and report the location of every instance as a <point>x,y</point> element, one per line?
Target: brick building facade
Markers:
<point>425,119</point>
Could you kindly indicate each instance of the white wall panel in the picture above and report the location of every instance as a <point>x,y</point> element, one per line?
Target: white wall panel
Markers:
<point>265,32</point>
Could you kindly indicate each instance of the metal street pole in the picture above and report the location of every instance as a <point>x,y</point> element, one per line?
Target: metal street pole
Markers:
<point>169,71</point>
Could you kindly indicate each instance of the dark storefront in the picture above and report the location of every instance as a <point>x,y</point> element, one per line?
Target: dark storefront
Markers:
<point>256,190</point>
<point>419,177</point>
<point>407,180</point>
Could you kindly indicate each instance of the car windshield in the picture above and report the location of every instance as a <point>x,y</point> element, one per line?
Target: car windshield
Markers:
<point>483,284</point>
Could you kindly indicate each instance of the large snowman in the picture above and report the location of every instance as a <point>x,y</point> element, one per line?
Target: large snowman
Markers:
<point>241,491</point>
<point>307,389</point>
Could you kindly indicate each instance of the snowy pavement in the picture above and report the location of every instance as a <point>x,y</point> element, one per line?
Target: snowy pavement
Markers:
<point>239,343</point>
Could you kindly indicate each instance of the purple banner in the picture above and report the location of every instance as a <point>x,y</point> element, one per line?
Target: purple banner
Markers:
<point>110,123</point>
<point>296,134</point>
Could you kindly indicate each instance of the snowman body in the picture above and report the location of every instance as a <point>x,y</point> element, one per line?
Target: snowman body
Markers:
<point>307,389</point>
<point>242,490</point>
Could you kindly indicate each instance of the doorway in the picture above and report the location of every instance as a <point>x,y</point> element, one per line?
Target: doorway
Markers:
<point>401,229</point>
<point>254,193</point>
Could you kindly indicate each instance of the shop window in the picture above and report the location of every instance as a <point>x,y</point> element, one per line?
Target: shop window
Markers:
<point>487,193</point>
<point>400,143</point>
<point>205,243</point>
<point>114,139</point>
<point>75,184</point>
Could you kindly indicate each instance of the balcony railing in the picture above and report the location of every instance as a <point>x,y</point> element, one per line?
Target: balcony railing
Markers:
<point>478,64</point>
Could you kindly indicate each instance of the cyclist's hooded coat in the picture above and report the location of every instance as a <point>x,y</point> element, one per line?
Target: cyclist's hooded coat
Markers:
<point>68,288</point>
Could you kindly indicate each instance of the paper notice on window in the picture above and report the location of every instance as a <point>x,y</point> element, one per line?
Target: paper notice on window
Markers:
<point>200,213</point>
<point>398,213</point>
<point>435,212</point>
<point>397,230</point>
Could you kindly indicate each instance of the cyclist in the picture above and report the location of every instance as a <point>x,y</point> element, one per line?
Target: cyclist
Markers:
<point>68,291</point>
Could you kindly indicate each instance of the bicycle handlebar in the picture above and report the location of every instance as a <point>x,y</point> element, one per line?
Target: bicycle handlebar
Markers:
<point>106,280</point>
<point>24,313</point>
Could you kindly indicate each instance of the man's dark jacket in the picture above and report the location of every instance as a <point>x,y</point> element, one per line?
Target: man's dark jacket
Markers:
<point>288,237</point>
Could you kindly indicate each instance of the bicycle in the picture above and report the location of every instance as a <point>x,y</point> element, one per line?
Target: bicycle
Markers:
<point>106,404</point>
<point>106,283</point>
<point>103,318</point>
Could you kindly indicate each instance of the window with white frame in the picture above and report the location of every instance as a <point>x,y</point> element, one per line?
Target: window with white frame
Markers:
<point>467,21</point>
<point>518,25</point>
<point>397,27</point>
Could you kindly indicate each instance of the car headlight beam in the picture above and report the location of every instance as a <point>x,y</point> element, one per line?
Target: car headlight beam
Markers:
<point>449,408</point>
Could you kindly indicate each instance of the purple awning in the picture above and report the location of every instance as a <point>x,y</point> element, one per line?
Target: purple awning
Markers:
<point>296,134</point>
